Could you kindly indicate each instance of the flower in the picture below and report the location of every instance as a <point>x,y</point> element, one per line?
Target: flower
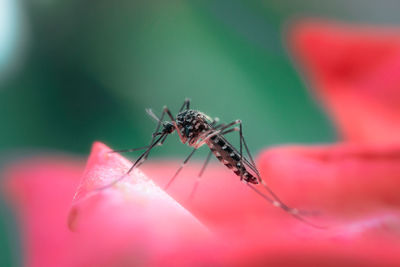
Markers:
<point>66,221</point>
<point>355,71</point>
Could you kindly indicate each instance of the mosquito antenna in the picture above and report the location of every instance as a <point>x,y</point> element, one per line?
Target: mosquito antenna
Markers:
<point>150,112</point>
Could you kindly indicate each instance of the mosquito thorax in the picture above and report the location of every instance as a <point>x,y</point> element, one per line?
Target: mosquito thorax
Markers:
<point>191,124</point>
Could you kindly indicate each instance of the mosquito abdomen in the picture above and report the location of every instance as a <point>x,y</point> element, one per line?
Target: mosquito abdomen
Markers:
<point>224,152</point>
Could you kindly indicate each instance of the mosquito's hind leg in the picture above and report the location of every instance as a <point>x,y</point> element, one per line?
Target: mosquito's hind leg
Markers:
<point>276,201</point>
<point>294,212</point>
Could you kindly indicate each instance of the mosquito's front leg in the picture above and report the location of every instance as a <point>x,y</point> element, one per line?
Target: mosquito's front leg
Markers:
<point>185,104</point>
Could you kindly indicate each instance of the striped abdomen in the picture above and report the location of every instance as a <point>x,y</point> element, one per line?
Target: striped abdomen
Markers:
<point>224,152</point>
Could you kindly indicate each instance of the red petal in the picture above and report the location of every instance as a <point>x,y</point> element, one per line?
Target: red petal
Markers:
<point>120,226</point>
<point>356,72</point>
<point>41,191</point>
<point>132,223</point>
<point>137,221</point>
<point>347,179</point>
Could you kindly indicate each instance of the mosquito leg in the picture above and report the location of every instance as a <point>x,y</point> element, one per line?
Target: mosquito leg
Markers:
<point>293,212</point>
<point>214,132</point>
<point>207,136</point>
<point>158,127</point>
<point>180,168</point>
<point>158,144</point>
<point>245,144</point>
<point>218,126</point>
<point>134,149</point>
<point>208,157</point>
<point>223,126</point>
<point>138,161</point>
<point>242,141</point>
<point>236,129</point>
<point>231,130</point>
<point>284,206</point>
<point>150,112</point>
<point>277,201</point>
<point>154,135</point>
<point>199,176</point>
<point>215,121</point>
<point>185,104</point>
<point>142,157</point>
<point>205,165</point>
<point>129,150</point>
<point>241,153</point>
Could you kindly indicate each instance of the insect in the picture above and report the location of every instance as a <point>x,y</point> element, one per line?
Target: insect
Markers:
<point>197,129</point>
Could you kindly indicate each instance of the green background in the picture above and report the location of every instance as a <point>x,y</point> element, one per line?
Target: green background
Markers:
<point>81,71</point>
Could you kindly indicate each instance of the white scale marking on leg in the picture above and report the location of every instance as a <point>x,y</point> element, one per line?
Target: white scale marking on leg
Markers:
<point>294,211</point>
<point>276,204</point>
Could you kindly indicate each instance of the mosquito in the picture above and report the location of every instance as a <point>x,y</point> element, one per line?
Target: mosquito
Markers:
<point>197,129</point>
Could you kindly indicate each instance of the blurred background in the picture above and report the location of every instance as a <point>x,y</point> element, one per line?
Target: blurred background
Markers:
<point>72,72</point>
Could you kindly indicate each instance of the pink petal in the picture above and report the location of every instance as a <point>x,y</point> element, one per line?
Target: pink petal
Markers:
<point>41,190</point>
<point>137,221</point>
<point>345,178</point>
<point>125,226</point>
<point>132,223</point>
<point>355,69</point>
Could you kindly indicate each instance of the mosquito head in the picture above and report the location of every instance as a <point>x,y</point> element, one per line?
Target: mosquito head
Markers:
<point>168,127</point>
